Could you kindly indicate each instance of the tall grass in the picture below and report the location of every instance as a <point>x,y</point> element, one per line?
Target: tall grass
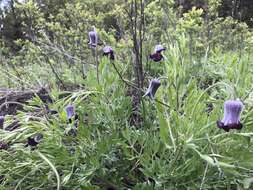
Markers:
<point>178,146</point>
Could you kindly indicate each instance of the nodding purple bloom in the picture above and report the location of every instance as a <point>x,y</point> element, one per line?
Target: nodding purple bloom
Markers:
<point>3,145</point>
<point>93,38</point>
<point>70,111</point>
<point>231,119</point>
<point>108,51</point>
<point>153,86</point>
<point>157,56</point>
<point>34,141</point>
<point>159,48</point>
<point>1,122</point>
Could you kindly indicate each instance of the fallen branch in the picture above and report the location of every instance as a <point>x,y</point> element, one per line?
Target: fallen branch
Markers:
<point>12,101</point>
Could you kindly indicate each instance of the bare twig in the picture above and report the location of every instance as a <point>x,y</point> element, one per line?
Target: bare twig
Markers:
<point>54,71</point>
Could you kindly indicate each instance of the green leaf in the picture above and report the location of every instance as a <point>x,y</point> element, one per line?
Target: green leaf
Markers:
<point>247,182</point>
<point>165,130</point>
<point>208,159</point>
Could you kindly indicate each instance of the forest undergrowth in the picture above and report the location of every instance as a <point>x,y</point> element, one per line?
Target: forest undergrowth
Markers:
<point>80,134</point>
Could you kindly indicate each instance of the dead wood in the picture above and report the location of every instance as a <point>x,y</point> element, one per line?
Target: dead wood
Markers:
<point>12,100</point>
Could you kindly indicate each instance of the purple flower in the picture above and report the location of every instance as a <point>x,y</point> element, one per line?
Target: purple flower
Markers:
<point>93,38</point>
<point>153,86</point>
<point>157,55</point>
<point>3,145</point>
<point>231,119</point>
<point>70,111</point>
<point>34,141</point>
<point>108,51</point>
<point>1,122</point>
<point>159,48</point>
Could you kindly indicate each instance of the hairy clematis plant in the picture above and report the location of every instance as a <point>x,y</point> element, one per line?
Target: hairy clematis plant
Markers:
<point>157,55</point>
<point>93,38</point>
<point>154,84</point>
<point>159,48</point>
<point>70,110</point>
<point>3,145</point>
<point>231,119</point>
<point>72,116</point>
<point>108,51</point>
<point>34,141</point>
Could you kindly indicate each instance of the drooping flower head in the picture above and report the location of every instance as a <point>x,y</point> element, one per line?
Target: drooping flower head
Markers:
<point>34,141</point>
<point>93,38</point>
<point>231,119</point>
<point>154,84</point>
<point>159,48</point>
<point>70,110</point>
<point>3,145</point>
<point>1,122</point>
<point>157,55</point>
<point>108,51</point>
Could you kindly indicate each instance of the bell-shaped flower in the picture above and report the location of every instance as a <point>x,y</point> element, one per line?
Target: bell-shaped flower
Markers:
<point>231,119</point>
<point>93,38</point>
<point>157,55</point>
<point>72,118</point>
<point>3,145</point>
<point>154,84</point>
<point>34,141</point>
<point>70,110</point>
<point>108,51</point>
<point>159,48</point>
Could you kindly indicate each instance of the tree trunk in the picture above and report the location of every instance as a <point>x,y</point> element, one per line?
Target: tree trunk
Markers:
<point>137,32</point>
